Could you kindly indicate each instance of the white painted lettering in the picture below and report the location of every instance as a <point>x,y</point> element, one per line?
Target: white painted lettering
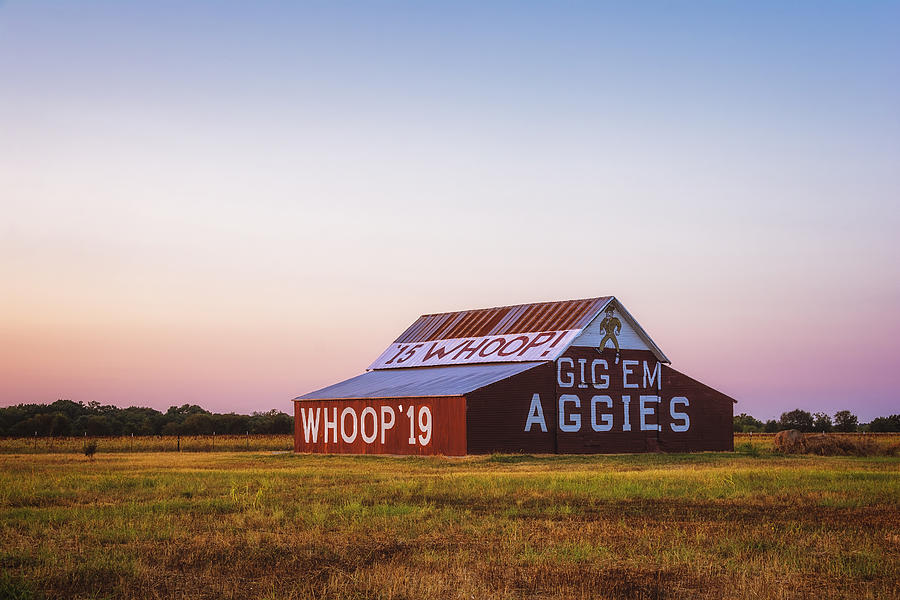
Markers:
<point>575,423</point>
<point>570,379</point>
<point>606,422</point>
<point>582,362</point>
<point>348,438</point>
<point>332,425</point>
<point>536,414</point>
<point>626,424</point>
<point>626,371</point>
<point>412,424</point>
<point>362,425</point>
<point>385,423</point>
<point>648,411</point>
<point>682,416</point>
<point>425,425</point>
<point>310,424</point>
<point>603,383</point>
<point>650,377</point>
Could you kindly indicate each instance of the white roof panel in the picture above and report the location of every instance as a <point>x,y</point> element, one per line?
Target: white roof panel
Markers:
<point>420,382</point>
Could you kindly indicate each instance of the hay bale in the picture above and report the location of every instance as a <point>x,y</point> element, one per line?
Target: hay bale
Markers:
<point>789,441</point>
<point>837,445</point>
<point>792,441</point>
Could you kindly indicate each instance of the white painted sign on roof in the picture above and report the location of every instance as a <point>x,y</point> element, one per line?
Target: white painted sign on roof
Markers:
<point>518,347</point>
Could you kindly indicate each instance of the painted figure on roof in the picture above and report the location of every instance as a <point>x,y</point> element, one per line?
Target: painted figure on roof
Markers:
<point>612,326</point>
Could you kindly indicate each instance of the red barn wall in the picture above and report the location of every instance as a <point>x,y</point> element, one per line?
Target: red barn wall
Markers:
<point>438,426</point>
<point>579,377</point>
<point>679,413</point>
<point>711,417</point>
<point>496,415</point>
<point>666,410</point>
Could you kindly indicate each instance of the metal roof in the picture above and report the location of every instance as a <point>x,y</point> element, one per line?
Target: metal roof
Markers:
<point>520,318</point>
<point>523,333</point>
<point>420,382</point>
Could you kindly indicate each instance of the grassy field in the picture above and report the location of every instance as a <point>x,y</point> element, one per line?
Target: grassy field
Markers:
<point>259,525</point>
<point>149,443</point>
<point>257,442</point>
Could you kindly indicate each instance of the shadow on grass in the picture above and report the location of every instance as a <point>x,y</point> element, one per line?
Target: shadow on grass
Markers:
<point>16,588</point>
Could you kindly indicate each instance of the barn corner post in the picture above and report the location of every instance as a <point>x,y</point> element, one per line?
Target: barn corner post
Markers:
<point>577,376</point>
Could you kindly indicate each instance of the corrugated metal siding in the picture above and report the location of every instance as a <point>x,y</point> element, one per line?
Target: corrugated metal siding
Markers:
<point>521,318</point>
<point>710,411</point>
<point>712,419</point>
<point>496,414</point>
<point>447,426</point>
<point>588,441</point>
<point>421,382</point>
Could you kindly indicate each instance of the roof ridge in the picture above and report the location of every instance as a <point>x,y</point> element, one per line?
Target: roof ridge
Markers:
<point>453,312</point>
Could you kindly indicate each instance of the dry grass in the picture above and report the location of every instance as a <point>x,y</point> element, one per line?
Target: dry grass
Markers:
<point>252,525</point>
<point>149,443</point>
<point>831,444</point>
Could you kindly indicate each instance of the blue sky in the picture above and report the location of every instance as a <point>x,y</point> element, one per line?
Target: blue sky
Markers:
<point>236,203</point>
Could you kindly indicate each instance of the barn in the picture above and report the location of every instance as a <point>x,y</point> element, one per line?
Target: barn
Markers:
<point>576,376</point>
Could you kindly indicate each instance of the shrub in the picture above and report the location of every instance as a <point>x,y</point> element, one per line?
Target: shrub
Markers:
<point>822,423</point>
<point>90,449</point>
<point>747,448</point>
<point>746,423</point>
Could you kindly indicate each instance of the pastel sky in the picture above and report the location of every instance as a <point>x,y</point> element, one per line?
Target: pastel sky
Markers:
<point>230,204</point>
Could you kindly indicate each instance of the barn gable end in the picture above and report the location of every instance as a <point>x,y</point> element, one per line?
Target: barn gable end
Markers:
<point>630,336</point>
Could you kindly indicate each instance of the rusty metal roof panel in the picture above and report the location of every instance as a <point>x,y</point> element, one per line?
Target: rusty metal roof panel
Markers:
<point>520,333</point>
<point>412,383</point>
<point>520,318</point>
<point>517,333</point>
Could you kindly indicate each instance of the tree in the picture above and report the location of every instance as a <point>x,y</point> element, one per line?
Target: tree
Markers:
<point>845,421</point>
<point>796,419</point>
<point>822,422</point>
<point>93,425</point>
<point>745,423</point>
<point>198,424</point>
<point>271,422</point>
<point>771,426</point>
<point>231,423</point>
<point>885,424</point>
<point>171,428</point>
<point>65,417</point>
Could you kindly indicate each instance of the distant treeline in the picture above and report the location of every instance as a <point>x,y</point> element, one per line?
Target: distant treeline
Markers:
<point>68,418</point>
<point>843,421</point>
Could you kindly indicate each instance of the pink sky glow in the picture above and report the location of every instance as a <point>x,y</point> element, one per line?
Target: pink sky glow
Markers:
<point>234,211</point>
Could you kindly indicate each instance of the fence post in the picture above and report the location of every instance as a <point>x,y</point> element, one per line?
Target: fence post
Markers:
<point>248,440</point>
